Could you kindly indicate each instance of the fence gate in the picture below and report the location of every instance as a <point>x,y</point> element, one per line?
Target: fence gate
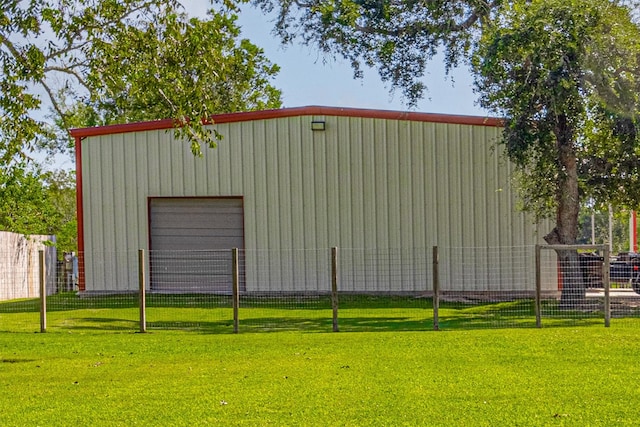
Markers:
<point>582,276</point>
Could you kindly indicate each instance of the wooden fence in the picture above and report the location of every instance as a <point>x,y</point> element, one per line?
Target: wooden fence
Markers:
<point>19,270</point>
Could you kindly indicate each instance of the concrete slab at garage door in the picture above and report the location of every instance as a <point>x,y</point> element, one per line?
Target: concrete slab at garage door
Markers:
<point>191,241</point>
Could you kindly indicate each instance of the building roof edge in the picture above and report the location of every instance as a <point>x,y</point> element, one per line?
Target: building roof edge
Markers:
<point>313,110</point>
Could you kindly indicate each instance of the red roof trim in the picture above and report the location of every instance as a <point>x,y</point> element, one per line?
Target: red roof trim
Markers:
<point>80,214</point>
<point>296,111</point>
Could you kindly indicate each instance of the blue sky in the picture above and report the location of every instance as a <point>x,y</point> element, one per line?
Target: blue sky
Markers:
<point>305,79</point>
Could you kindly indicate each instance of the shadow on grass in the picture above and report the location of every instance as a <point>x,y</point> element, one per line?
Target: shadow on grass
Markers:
<point>31,305</point>
<point>71,301</point>
<point>487,315</point>
<point>299,324</point>
<point>213,313</point>
<point>93,324</point>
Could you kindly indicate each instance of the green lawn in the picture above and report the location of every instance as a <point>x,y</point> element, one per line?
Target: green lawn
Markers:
<point>587,376</point>
<point>357,313</point>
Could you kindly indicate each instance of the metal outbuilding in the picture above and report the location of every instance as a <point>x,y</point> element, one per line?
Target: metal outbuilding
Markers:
<point>294,178</point>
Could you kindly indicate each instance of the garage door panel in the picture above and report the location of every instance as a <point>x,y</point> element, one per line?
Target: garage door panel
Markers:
<point>200,209</point>
<point>171,220</point>
<point>191,240</point>
<point>189,243</point>
<point>216,232</point>
<point>196,202</point>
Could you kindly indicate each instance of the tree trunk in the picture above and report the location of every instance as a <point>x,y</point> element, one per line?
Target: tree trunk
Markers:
<point>568,206</point>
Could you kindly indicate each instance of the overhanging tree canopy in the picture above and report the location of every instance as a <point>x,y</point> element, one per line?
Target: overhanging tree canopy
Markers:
<point>398,37</point>
<point>111,61</point>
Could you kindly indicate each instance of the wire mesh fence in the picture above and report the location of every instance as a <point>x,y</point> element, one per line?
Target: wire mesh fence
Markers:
<point>320,290</point>
<point>285,290</point>
<point>20,274</point>
<point>624,304</point>
<point>385,289</point>
<point>579,273</point>
<point>486,287</point>
<point>189,290</point>
<point>114,307</point>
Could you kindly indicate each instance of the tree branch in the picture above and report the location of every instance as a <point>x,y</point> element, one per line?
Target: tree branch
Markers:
<point>377,31</point>
<point>55,104</point>
<point>64,51</point>
<point>11,47</point>
<point>70,71</point>
<point>77,34</point>
<point>471,20</point>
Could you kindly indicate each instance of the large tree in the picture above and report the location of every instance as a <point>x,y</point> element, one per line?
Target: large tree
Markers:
<point>111,61</point>
<point>564,74</point>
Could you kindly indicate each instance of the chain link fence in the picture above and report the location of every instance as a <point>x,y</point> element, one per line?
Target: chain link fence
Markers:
<point>334,289</point>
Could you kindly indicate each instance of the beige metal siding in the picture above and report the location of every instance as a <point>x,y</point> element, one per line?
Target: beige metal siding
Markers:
<point>363,183</point>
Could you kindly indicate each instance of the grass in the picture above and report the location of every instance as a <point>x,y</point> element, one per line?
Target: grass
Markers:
<point>361,313</point>
<point>91,368</point>
<point>556,376</point>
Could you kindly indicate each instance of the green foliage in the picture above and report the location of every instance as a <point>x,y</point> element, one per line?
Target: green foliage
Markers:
<point>610,166</point>
<point>619,227</point>
<point>565,76</point>
<point>60,188</point>
<point>108,61</point>
<point>37,202</point>
<point>24,206</point>
<point>399,38</point>
<point>479,378</point>
<point>184,69</point>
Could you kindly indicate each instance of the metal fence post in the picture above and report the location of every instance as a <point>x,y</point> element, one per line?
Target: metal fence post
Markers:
<point>334,287</point>
<point>606,283</point>
<point>142,286</point>
<point>42,277</point>
<point>235,289</point>
<point>538,301</point>
<point>436,289</point>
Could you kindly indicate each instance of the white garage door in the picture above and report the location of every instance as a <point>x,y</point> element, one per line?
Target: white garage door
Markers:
<point>191,241</point>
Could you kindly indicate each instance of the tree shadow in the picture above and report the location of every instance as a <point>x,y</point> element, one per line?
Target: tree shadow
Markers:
<point>357,313</point>
<point>94,324</point>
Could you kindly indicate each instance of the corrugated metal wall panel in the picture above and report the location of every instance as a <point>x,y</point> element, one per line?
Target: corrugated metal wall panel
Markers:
<point>355,175</point>
<point>361,183</point>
